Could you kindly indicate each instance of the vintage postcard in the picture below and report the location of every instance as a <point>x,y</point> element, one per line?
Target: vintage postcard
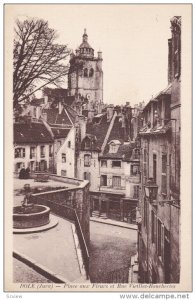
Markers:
<point>98,127</point>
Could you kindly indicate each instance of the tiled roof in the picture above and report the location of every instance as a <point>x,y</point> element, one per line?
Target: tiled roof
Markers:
<point>161,129</point>
<point>71,112</point>
<point>31,133</point>
<point>69,100</point>
<point>116,133</point>
<point>166,91</point>
<point>124,152</point>
<point>85,45</point>
<point>60,132</point>
<point>53,116</point>
<point>98,130</point>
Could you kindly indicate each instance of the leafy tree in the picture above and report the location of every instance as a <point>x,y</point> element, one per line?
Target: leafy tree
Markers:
<point>37,59</point>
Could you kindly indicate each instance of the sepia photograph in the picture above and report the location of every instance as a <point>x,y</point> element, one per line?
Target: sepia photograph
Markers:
<point>98,147</point>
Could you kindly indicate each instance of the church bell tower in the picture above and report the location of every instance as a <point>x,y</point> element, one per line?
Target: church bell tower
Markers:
<point>85,77</point>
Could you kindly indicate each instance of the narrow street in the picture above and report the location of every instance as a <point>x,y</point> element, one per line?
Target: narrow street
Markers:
<point>111,248</point>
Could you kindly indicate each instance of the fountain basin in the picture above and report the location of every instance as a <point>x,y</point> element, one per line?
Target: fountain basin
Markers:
<point>37,216</point>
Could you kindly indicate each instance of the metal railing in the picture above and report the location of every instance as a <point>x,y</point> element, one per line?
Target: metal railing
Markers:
<point>84,248</point>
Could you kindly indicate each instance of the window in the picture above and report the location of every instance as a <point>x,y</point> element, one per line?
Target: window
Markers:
<point>50,150</point>
<point>32,152</point>
<point>113,148</point>
<point>136,154</point>
<point>104,163</point>
<point>145,165</point>
<point>87,176</point>
<point>32,166</point>
<point>86,72</point>
<point>42,151</point>
<point>116,181</point>
<point>20,152</point>
<point>91,72</point>
<point>103,180</point>
<point>69,144</point>
<point>164,174</point>
<point>63,155</point>
<point>87,160</point>
<point>155,167</point>
<point>116,164</point>
<point>134,170</point>
<point>136,191</point>
<point>153,226</point>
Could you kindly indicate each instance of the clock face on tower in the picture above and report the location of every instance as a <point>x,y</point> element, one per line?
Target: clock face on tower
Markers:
<point>88,96</point>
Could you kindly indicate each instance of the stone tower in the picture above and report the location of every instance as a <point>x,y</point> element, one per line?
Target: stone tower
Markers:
<point>85,77</point>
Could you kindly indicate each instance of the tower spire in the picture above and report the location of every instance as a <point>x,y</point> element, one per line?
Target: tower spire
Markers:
<point>85,36</point>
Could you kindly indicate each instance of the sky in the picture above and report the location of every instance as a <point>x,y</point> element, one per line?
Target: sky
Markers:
<point>132,38</point>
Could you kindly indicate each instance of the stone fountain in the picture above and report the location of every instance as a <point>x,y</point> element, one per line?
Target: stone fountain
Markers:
<point>30,217</point>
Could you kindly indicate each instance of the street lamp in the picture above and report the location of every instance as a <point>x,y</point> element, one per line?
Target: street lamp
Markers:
<point>151,189</point>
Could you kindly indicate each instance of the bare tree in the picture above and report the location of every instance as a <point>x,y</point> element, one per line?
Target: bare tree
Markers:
<point>37,59</point>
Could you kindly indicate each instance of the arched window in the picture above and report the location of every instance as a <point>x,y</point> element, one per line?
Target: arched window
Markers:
<point>91,72</point>
<point>86,72</point>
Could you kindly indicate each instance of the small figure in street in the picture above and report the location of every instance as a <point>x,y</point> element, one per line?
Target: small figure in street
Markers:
<point>27,171</point>
<point>22,173</point>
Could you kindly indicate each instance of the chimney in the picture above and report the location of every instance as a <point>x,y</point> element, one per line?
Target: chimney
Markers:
<point>169,60</point>
<point>45,99</point>
<point>110,112</point>
<point>82,124</point>
<point>60,107</point>
<point>99,55</point>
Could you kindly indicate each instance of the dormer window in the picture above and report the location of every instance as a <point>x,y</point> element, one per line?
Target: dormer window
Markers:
<point>113,148</point>
<point>87,143</point>
<point>136,154</point>
<point>114,145</point>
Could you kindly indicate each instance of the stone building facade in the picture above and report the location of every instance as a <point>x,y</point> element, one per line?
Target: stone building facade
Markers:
<point>110,162</point>
<point>33,145</point>
<point>159,219</point>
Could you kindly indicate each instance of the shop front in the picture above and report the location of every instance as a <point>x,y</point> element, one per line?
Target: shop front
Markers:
<point>113,206</point>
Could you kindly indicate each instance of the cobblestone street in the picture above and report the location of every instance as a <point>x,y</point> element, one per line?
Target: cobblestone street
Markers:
<point>111,248</point>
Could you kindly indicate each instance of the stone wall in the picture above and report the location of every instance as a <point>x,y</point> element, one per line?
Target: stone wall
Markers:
<point>76,198</point>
